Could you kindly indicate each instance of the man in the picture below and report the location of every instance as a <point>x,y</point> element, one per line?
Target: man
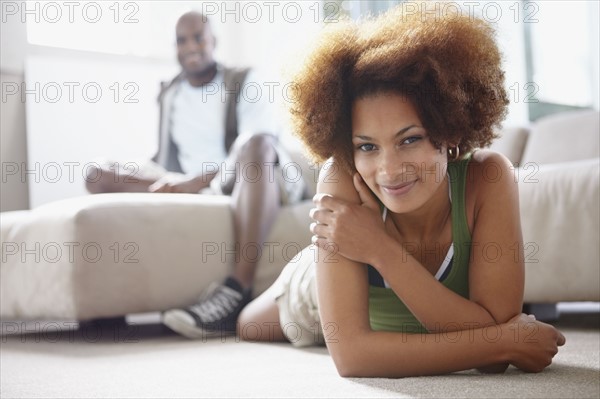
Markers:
<point>206,139</point>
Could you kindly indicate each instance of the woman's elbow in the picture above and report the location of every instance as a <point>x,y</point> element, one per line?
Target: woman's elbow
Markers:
<point>347,360</point>
<point>494,368</point>
<point>348,368</point>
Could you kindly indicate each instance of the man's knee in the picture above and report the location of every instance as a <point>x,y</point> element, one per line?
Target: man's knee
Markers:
<point>257,148</point>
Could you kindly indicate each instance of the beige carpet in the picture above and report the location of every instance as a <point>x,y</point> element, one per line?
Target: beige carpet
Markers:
<point>148,361</point>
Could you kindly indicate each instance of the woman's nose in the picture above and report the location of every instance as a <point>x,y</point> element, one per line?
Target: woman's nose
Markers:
<point>393,168</point>
<point>390,165</point>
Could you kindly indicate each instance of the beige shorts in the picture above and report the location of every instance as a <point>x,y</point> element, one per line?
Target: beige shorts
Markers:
<point>296,297</point>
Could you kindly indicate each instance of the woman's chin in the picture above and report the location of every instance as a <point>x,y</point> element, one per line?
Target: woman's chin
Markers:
<point>396,206</point>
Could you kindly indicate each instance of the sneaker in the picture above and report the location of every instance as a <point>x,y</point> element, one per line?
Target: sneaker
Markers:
<point>217,312</point>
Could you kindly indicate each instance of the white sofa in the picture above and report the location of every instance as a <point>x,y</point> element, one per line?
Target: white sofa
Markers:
<point>559,177</point>
<point>109,255</point>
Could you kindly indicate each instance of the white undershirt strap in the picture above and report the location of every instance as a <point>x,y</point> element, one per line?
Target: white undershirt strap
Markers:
<point>449,254</point>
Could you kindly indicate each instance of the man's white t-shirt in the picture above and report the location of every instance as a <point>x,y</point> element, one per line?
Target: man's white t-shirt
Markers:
<point>198,120</point>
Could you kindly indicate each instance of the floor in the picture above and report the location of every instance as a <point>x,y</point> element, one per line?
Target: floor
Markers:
<point>145,359</point>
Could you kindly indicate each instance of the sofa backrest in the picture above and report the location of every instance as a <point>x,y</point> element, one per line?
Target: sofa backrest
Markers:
<point>511,143</point>
<point>568,136</point>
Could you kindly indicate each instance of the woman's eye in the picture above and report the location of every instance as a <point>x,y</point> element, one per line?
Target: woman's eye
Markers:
<point>366,147</point>
<point>412,139</point>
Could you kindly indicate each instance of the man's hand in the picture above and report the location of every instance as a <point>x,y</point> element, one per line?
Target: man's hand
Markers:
<point>180,184</point>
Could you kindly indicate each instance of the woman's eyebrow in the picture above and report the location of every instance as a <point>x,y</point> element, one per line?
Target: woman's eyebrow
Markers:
<point>398,134</point>
<point>404,130</point>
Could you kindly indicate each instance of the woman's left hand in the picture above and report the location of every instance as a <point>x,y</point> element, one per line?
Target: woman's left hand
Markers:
<point>355,231</point>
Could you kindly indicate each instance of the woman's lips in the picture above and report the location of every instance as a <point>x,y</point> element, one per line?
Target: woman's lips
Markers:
<point>398,189</point>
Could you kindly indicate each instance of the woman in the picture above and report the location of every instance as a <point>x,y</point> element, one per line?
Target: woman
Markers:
<point>419,266</point>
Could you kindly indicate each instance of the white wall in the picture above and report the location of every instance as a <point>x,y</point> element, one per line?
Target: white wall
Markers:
<point>66,133</point>
<point>510,41</point>
<point>13,42</point>
<point>82,108</point>
<point>70,134</point>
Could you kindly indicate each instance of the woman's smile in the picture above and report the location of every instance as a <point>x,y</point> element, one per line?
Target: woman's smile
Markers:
<point>398,189</point>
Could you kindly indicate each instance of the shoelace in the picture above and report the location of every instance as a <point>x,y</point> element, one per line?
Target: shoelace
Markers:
<point>219,304</point>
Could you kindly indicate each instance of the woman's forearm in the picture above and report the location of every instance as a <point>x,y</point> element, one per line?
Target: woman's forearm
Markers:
<point>437,308</point>
<point>388,354</point>
<point>527,344</point>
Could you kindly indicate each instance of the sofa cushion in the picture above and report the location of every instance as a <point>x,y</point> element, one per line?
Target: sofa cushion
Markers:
<point>108,255</point>
<point>563,137</point>
<point>8,220</point>
<point>560,207</point>
<point>289,235</point>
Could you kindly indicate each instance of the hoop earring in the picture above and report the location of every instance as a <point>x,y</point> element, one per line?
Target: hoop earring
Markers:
<point>454,153</point>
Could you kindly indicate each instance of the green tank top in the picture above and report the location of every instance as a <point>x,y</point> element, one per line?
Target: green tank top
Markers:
<point>386,311</point>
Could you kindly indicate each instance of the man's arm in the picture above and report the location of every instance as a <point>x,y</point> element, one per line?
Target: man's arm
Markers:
<point>182,184</point>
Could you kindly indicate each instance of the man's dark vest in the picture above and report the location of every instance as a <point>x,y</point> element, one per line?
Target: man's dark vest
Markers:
<point>167,155</point>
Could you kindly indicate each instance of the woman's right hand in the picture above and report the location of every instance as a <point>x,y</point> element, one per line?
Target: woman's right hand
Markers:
<point>534,343</point>
<point>354,230</point>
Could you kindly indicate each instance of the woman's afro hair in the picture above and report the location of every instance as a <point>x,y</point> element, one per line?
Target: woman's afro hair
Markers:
<point>447,65</point>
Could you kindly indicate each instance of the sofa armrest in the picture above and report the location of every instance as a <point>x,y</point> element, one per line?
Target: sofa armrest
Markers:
<point>111,254</point>
<point>559,214</point>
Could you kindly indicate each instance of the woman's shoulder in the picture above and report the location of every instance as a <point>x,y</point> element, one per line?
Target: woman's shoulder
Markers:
<point>490,184</point>
<point>485,155</point>
<point>336,181</point>
<point>487,166</point>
